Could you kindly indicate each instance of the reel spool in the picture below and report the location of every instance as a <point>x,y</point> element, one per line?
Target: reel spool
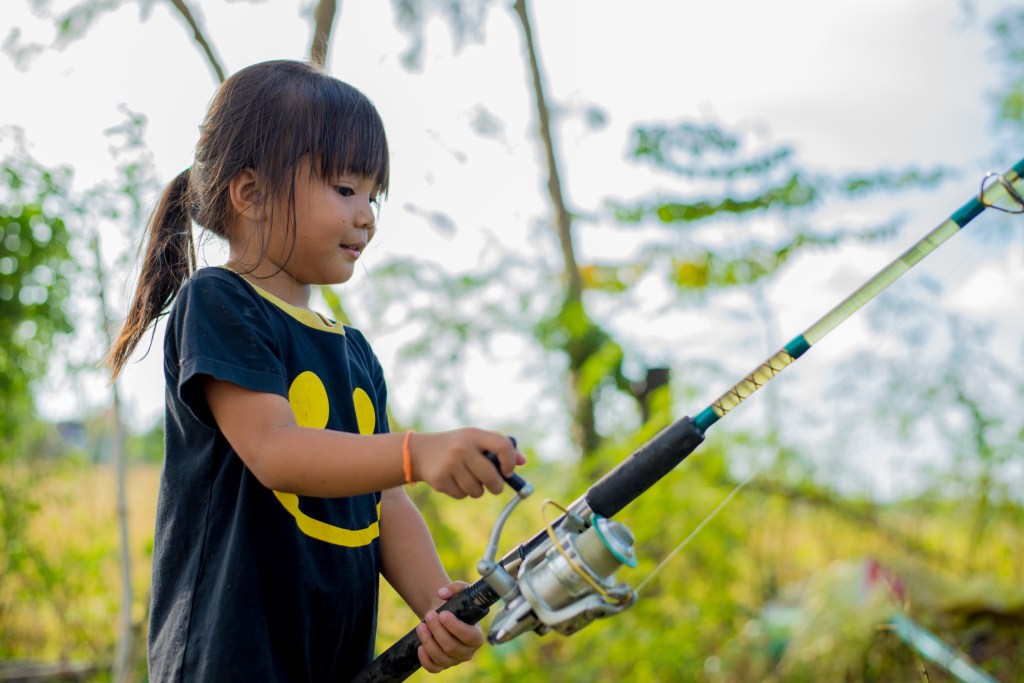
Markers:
<point>566,582</point>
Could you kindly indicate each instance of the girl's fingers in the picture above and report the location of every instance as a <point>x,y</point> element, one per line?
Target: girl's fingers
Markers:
<point>446,641</point>
<point>468,482</point>
<point>452,488</point>
<point>431,656</point>
<point>423,653</point>
<point>459,467</point>
<point>425,662</point>
<point>451,647</point>
<point>485,473</point>
<point>468,636</point>
<point>438,648</point>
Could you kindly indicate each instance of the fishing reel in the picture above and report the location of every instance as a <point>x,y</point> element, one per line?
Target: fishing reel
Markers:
<point>564,583</point>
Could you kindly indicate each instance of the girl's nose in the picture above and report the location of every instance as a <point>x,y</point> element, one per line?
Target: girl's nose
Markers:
<point>366,217</point>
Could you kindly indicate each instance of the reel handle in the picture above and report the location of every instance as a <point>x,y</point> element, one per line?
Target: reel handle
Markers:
<point>515,481</point>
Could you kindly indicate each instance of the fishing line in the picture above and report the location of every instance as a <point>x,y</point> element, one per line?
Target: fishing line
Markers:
<point>777,363</point>
<point>679,548</point>
<point>537,598</point>
<point>883,342</point>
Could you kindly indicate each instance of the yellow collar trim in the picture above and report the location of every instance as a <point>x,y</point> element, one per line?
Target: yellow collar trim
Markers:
<point>303,315</point>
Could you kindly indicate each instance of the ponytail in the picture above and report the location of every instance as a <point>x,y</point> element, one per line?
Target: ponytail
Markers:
<point>169,260</point>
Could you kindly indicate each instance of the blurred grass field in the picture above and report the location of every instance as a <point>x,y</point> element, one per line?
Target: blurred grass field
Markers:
<point>702,618</point>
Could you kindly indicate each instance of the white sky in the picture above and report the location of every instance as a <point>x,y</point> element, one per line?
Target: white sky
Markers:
<point>855,85</point>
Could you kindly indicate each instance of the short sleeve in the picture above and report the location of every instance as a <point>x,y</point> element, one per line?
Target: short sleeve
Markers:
<point>219,329</point>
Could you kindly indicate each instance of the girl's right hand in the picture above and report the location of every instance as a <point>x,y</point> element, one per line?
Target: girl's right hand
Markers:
<point>454,462</point>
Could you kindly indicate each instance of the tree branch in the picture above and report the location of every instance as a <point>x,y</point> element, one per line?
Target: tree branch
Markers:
<point>323,24</point>
<point>563,219</point>
<point>200,38</point>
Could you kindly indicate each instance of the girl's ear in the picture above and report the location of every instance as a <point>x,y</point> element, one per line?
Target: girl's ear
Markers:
<point>245,193</point>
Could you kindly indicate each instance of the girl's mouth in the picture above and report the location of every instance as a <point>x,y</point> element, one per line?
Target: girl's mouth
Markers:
<point>353,250</point>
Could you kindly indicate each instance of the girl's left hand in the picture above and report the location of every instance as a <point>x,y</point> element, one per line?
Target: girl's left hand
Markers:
<point>445,640</point>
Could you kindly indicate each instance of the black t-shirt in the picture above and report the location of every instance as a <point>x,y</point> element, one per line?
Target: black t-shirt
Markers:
<point>251,584</point>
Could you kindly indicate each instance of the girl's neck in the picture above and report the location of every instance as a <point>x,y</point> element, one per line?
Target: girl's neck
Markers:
<point>274,279</point>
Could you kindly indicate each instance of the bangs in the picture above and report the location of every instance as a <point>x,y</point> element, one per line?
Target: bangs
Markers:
<point>308,113</point>
<point>350,139</point>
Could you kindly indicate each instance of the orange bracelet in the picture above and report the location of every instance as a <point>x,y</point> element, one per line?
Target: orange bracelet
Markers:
<point>407,458</point>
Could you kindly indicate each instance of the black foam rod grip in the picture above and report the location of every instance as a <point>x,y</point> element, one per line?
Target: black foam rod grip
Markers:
<point>399,661</point>
<point>644,467</point>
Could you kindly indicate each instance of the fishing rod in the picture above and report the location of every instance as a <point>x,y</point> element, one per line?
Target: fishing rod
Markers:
<point>563,577</point>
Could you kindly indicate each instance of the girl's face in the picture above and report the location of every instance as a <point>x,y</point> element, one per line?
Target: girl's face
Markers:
<point>335,219</point>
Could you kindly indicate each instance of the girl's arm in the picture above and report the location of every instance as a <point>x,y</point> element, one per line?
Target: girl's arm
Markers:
<point>326,463</point>
<point>412,567</point>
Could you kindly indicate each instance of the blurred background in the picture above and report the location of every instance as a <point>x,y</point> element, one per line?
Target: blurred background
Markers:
<point>602,215</point>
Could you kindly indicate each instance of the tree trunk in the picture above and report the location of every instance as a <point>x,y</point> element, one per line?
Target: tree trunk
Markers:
<point>122,670</point>
<point>563,219</point>
<point>584,426</point>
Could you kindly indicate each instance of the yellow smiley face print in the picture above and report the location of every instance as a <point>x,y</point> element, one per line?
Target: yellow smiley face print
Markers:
<point>308,399</point>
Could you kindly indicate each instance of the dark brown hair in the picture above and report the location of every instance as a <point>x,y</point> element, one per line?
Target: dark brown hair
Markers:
<point>266,117</point>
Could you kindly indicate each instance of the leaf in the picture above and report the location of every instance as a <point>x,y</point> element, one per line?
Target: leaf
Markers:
<point>74,23</point>
<point>607,278</point>
<point>890,180</point>
<point>691,274</point>
<point>603,363</point>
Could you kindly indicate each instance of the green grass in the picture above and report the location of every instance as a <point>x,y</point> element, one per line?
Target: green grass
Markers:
<point>712,613</point>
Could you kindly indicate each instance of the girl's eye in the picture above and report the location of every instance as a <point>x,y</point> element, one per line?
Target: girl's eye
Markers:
<point>345,191</point>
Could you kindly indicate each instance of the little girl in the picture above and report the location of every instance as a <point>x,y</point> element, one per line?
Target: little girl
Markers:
<point>281,496</point>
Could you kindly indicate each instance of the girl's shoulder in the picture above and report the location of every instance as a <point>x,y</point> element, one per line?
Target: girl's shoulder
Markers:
<point>218,282</point>
<point>213,289</point>
<point>208,275</point>
<point>213,276</point>
<point>216,286</point>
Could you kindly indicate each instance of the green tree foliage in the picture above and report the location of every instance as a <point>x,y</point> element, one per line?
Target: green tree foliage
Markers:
<point>730,177</point>
<point>72,23</point>
<point>1008,29</point>
<point>35,274</point>
<point>445,317</point>
<point>36,270</point>
<point>465,17</point>
<point>726,176</point>
<point>942,392</point>
<point>47,270</point>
